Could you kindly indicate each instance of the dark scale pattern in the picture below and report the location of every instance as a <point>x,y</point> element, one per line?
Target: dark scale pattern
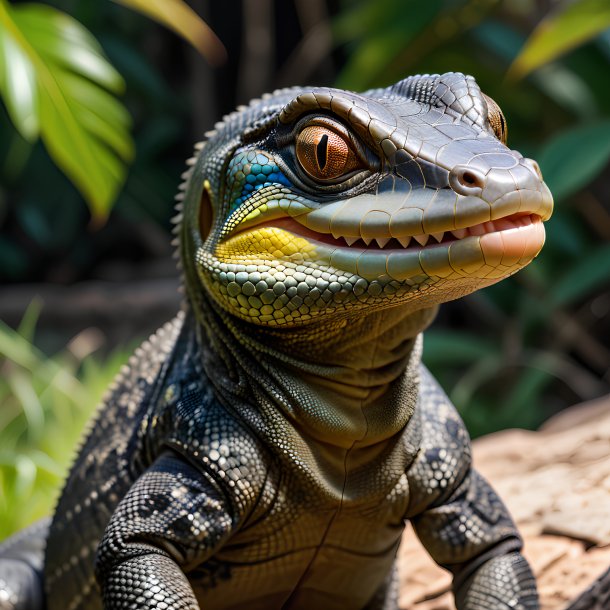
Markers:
<point>171,519</point>
<point>454,511</point>
<point>264,449</point>
<point>109,464</point>
<point>142,583</point>
<point>502,583</point>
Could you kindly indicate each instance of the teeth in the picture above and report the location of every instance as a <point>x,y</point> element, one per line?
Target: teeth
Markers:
<point>422,240</point>
<point>480,229</point>
<point>336,235</point>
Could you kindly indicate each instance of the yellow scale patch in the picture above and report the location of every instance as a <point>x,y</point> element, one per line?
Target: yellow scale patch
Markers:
<point>266,243</point>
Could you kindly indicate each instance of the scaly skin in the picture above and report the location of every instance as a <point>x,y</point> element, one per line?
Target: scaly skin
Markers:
<point>264,449</point>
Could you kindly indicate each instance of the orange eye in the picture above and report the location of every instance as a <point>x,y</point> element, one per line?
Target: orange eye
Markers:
<point>324,154</point>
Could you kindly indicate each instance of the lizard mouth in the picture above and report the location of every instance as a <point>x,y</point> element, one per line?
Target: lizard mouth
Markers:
<point>373,239</point>
<point>521,225</point>
<point>489,250</point>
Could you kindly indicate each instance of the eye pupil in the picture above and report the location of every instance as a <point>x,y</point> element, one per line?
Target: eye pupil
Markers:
<point>322,152</point>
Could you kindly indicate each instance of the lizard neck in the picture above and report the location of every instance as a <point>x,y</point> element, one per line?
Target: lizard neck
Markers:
<point>347,382</point>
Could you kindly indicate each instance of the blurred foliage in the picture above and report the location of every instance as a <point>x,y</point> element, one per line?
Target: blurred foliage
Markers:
<point>57,83</point>
<point>181,18</point>
<point>539,341</point>
<point>567,26</point>
<point>46,402</point>
<point>525,348</point>
<point>47,232</point>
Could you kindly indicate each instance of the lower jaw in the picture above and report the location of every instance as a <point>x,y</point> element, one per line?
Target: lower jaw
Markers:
<point>490,256</point>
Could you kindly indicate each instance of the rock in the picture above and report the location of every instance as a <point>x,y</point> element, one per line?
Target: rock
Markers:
<point>556,484</point>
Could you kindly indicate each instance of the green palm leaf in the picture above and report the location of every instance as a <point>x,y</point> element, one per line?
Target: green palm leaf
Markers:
<point>18,86</point>
<point>57,84</point>
<point>570,25</point>
<point>65,96</point>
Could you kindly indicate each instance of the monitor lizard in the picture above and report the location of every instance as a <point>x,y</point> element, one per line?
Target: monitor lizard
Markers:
<point>265,448</point>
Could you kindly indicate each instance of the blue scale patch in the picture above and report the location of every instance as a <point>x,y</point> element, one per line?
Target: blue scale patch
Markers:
<point>250,171</point>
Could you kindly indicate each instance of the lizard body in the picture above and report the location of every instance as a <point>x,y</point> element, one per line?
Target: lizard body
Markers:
<point>264,449</point>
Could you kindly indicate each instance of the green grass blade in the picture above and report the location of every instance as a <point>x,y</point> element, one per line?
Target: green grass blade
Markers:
<point>28,401</point>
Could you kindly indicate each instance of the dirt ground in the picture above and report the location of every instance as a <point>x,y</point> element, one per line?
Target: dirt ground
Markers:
<point>556,483</point>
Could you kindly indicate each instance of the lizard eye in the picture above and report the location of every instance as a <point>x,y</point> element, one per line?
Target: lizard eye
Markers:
<point>324,154</point>
<point>496,119</point>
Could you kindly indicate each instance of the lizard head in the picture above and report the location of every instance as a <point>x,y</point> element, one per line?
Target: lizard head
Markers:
<point>321,202</point>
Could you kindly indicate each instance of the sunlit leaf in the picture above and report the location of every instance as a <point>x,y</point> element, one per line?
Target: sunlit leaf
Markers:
<point>182,19</point>
<point>572,159</point>
<point>66,43</point>
<point>18,85</point>
<point>563,85</point>
<point>572,24</point>
<point>84,127</point>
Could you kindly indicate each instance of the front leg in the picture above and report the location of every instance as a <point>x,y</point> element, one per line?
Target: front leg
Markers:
<point>471,534</point>
<point>503,581</point>
<point>460,519</point>
<point>173,518</point>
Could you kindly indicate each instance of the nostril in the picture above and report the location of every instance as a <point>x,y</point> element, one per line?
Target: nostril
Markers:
<point>469,179</point>
<point>466,180</point>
